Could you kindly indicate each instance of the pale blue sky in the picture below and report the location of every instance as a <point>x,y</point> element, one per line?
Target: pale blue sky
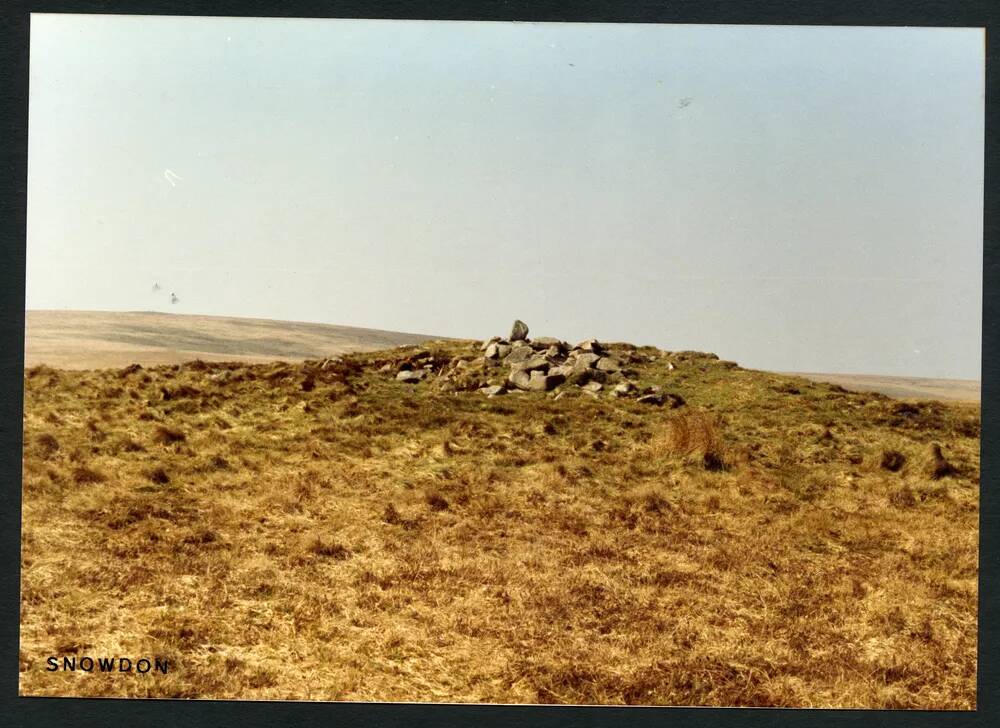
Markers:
<point>794,198</point>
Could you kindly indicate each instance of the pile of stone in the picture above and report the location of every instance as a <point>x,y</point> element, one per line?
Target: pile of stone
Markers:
<point>545,363</point>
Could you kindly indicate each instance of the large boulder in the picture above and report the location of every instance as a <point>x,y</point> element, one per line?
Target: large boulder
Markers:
<point>535,363</point>
<point>544,342</point>
<point>581,375</point>
<point>564,370</point>
<point>519,353</point>
<point>542,382</point>
<point>607,364</point>
<point>519,378</point>
<point>519,331</point>
<point>497,350</point>
<point>586,360</point>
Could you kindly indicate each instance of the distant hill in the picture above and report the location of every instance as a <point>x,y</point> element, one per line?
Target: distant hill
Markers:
<point>107,339</point>
<point>966,390</point>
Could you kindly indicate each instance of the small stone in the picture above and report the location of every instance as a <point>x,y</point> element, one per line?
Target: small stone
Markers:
<point>592,387</point>
<point>656,399</point>
<point>492,351</point>
<point>494,391</point>
<point>590,345</point>
<point>409,376</point>
<point>519,331</point>
<point>623,389</point>
<point>489,342</point>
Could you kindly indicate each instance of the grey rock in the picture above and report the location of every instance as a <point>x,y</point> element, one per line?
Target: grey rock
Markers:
<point>607,364</point>
<point>582,375</point>
<point>542,382</point>
<point>591,345</point>
<point>623,389</point>
<point>553,352</point>
<point>586,360</point>
<point>535,363</point>
<point>495,390</point>
<point>412,376</point>
<point>656,399</point>
<point>564,370</point>
<point>519,378</point>
<point>489,342</point>
<point>519,354</point>
<point>519,331</point>
<point>503,349</point>
<point>492,351</point>
<point>544,342</point>
<point>592,387</point>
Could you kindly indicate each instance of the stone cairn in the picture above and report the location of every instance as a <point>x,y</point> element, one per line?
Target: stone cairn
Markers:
<point>540,365</point>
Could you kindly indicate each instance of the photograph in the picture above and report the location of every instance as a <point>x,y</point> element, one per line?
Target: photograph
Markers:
<point>494,362</point>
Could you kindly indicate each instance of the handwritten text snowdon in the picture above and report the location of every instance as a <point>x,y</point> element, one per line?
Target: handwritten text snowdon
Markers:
<point>107,664</point>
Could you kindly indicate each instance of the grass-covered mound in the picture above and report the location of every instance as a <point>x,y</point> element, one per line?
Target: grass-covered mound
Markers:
<point>325,531</point>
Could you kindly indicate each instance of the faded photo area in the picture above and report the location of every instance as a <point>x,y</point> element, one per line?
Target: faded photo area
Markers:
<point>492,362</point>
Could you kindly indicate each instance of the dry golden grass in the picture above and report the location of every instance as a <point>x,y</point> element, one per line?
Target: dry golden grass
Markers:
<point>287,531</point>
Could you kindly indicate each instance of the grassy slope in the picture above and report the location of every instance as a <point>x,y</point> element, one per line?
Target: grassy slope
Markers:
<point>370,540</point>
